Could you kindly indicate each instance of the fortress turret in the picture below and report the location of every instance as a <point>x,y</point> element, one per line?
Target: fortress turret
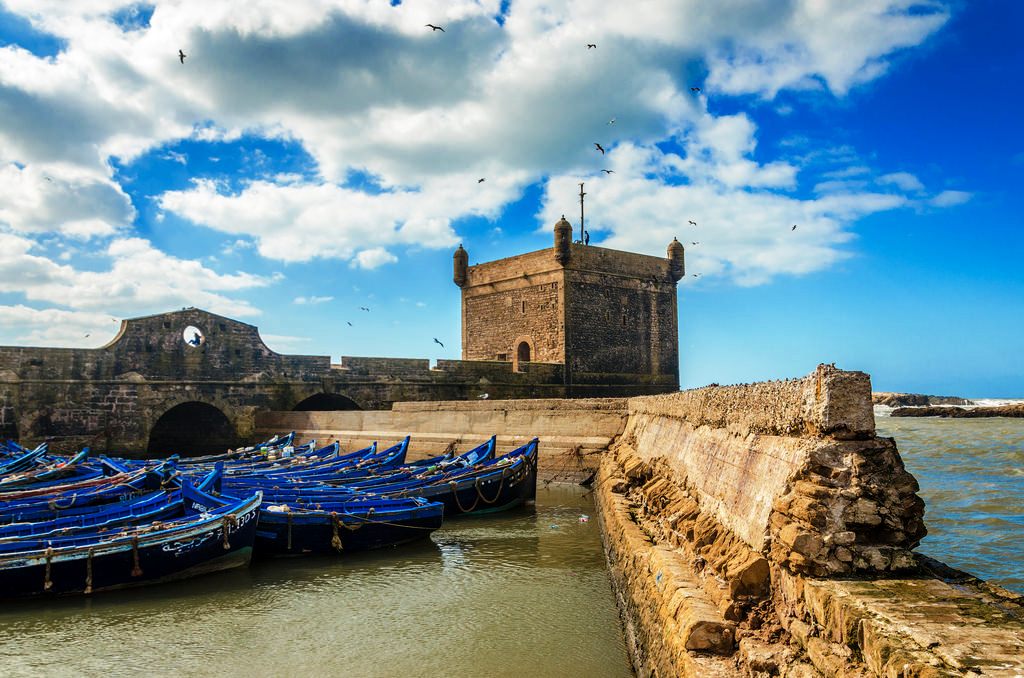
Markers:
<point>460,263</point>
<point>563,239</point>
<point>676,256</point>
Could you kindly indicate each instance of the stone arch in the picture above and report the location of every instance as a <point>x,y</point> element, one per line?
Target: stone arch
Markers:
<point>523,351</point>
<point>8,423</point>
<point>319,402</point>
<point>192,428</point>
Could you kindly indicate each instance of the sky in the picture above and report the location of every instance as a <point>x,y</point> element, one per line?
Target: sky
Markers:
<point>312,157</point>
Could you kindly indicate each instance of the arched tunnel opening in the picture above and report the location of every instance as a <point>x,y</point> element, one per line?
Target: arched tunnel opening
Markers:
<point>191,429</point>
<point>8,424</point>
<point>326,402</point>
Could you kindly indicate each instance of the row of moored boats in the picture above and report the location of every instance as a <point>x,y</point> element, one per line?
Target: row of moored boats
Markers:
<point>80,524</point>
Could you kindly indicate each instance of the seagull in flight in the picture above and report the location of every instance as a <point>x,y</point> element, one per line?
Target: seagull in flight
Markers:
<point>436,28</point>
<point>612,121</point>
<point>484,396</point>
<point>692,222</point>
<point>363,308</point>
<point>591,45</point>
<point>695,89</point>
<point>349,324</point>
<point>86,335</point>
<point>696,275</point>
<point>608,171</point>
<point>181,56</point>
<point>599,147</point>
<point>438,342</point>
<point>794,228</point>
<point>481,180</point>
<point>694,243</point>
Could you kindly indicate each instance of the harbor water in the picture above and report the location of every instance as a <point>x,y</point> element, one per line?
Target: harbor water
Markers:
<point>971,473</point>
<point>520,593</point>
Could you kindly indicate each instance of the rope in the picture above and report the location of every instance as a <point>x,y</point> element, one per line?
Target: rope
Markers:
<point>367,521</point>
<point>497,494</point>
<point>335,538</point>
<point>455,491</point>
<point>136,570</point>
<point>88,572</point>
<point>228,521</point>
<point>47,582</point>
<point>289,530</point>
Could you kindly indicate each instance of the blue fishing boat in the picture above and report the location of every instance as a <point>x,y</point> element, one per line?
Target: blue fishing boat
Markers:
<point>217,534</point>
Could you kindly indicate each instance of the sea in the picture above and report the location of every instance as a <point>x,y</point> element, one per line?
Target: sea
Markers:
<point>971,473</point>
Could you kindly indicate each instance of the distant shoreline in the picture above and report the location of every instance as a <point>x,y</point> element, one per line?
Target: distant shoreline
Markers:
<point>890,399</point>
<point>1015,410</point>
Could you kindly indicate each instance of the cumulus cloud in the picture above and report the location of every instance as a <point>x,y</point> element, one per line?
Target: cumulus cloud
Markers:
<point>905,181</point>
<point>364,87</point>
<point>950,198</point>
<point>745,236</point>
<point>140,279</point>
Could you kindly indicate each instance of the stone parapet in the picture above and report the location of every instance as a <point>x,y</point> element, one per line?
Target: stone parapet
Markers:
<point>828,402</point>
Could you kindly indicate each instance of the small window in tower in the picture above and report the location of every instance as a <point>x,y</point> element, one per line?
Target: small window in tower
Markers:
<point>623,319</point>
<point>524,306</point>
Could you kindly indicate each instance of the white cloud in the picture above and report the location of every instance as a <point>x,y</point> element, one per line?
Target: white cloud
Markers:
<point>745,236</point>
<point>364,86</point>
<point>27,326</point>
<point>374,257</point>
<point>950,198</point>
<point>284,343</point>
<point>312,300</point>
<point>905,181</point>
<point>140,279</point>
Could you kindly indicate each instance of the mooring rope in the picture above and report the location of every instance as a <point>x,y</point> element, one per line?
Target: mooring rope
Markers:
<point>231,521</point>
<point>88,571</point>
<point>47,582</point>
<point>136,570</point>
<point>497,494</point>
<point>335,538</point>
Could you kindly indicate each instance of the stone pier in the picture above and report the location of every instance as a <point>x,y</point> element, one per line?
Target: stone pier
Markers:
<point>757,530</point>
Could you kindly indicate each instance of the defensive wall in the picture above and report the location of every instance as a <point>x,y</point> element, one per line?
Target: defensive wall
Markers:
<point>755,530</point>
<point>151,389</point>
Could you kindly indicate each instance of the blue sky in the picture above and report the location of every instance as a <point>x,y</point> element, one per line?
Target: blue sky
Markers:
<point>303,163</point>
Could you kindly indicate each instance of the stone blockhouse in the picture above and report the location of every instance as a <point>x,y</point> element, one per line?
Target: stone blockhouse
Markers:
<point>609,317</point>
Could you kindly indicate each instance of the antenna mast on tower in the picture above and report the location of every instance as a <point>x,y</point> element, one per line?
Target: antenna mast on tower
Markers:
<point>581,211</point>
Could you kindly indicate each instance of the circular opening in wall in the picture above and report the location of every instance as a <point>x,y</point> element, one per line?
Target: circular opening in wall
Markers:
<point>193,336</point>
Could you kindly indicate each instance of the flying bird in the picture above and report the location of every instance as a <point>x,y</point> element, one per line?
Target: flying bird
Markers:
<point>608,171</point>
<point>436,28</point>
<point>599,147</point>
<point>696,275</point>
<point>349,324</point>
<point>484,396</point>
<point>481,180</point>
<point>692,222</point>
<point>87,335</point>
<point>612,121</point>
<point>695,89</point>
<point>794,227</point>
<point>438,342</point>
<point>48,179</point>
<point>694,243</point>
<point>363,308</point>
<point>591,45</point>
<point>181,56</point>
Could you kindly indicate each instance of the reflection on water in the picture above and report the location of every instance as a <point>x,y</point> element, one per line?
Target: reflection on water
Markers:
<point>971,473</point>
<point>524,593</point>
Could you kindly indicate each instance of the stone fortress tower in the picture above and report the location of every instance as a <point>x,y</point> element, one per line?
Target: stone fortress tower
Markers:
<point>608,316</point>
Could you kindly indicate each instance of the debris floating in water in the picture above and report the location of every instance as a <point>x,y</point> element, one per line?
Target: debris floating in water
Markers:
<point>584,518</point>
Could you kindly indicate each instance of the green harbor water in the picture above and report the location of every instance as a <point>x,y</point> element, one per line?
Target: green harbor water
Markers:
<point>524,593</point>
<point>971,473</point>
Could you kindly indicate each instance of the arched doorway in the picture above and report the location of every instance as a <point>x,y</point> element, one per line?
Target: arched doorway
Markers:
<point>8,424</point>
<point>523,352</point>
<point>191,429</point>
<point>326,402</point>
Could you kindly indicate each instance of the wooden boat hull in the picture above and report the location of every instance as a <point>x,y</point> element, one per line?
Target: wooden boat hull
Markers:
<point>277,536</point>
<point>153,559</point>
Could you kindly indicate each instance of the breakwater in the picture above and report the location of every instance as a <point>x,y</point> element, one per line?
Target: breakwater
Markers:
<point>750,530</point>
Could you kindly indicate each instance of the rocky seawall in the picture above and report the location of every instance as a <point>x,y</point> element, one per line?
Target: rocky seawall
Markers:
<point>764,530</point>
<point>915,400</point>
<point>756,530</point>
<point>1016,410</point>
